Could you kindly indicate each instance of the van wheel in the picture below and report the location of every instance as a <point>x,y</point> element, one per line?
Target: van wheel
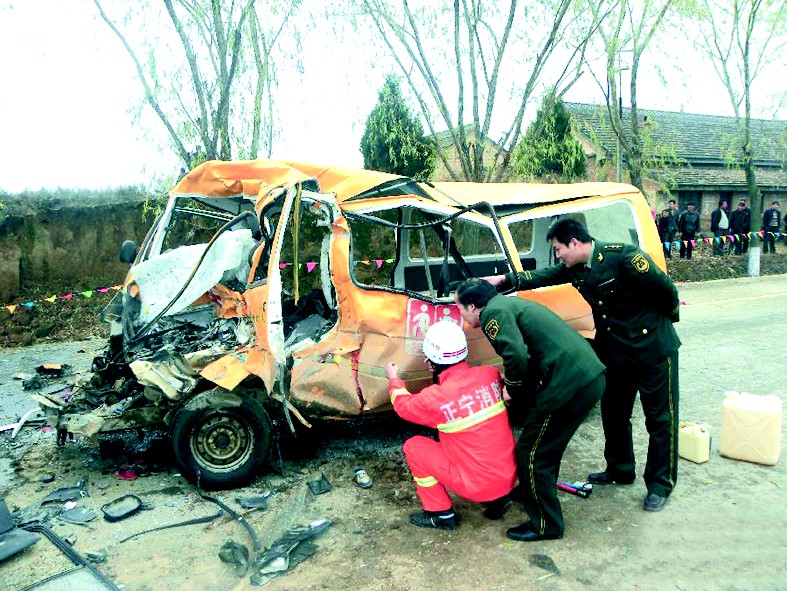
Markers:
<point>224,436</point>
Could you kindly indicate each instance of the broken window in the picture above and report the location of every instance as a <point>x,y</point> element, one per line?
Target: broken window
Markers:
<point>436,250</point>
<point>374,248</point>
<point>193,222</point>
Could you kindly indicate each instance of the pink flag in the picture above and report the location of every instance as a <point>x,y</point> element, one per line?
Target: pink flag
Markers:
<point>67,297</point>
<point>379,263</point>
<point>102,290</point>
<point>694,243</point>
<point>282,265</point>
<point>310,266</point>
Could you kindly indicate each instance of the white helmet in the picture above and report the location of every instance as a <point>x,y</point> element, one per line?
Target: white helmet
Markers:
<point>445,343</point>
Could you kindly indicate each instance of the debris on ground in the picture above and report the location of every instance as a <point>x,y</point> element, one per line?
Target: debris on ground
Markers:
<point>320,485</point>
<point>71,493</point>
<point>362,478</point>
<point>236,554</point>
<point>258,501</point>
<point>287,552</point>
<point>122,507</point>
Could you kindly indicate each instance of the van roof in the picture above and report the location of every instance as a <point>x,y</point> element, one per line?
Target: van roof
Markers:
<point>253,178</point>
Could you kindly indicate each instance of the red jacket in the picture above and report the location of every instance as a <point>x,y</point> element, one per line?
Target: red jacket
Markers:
<point>467,409</point>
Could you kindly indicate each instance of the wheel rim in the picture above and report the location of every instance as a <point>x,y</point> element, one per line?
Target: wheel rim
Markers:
<point>222,443</point>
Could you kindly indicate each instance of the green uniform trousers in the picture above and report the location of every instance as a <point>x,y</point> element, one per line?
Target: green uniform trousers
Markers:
<point>658,392</point>
<point>540,449</point>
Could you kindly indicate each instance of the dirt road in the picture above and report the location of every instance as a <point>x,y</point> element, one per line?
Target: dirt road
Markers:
<point>723,527</point>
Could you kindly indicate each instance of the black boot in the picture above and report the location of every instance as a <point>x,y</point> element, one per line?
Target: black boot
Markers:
<point>436,519</point>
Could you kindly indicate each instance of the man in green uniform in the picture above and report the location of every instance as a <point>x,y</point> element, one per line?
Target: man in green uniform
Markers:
<point>553,373</point>
<point>634,306</point>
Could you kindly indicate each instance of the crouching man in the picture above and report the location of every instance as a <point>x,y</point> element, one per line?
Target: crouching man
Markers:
<point>474,454</point>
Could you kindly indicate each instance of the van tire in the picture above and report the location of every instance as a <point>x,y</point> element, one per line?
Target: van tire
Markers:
<point>226,437</point>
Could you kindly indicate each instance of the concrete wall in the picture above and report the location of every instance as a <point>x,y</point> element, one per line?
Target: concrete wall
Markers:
<point>66,247</point>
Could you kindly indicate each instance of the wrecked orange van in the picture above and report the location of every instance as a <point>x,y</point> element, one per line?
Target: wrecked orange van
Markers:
<point>269,293</point>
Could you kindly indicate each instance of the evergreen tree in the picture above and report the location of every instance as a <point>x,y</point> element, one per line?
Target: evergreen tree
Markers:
<point>548,148</point>
<point>393,140</point>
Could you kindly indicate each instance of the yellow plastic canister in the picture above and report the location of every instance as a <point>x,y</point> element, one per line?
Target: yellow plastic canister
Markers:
<point>694,442</point>
<point>751,427</point>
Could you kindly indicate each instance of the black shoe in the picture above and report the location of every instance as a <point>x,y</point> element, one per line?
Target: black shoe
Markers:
<point>495,510</point>
<point>437,520</point>
<point>523,533</point>
<point>606,478</point>
<point>654,502</point>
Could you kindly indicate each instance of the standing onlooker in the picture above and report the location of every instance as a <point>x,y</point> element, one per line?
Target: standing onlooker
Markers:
<point>674,215</point>
<point>740,225</point>
<point>771,221</point>
<point>688,225</point>
<point>666,232</point>
<point>634,305</point>
<point>720,226</point>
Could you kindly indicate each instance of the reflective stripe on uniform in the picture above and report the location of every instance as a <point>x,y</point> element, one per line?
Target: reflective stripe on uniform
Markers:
<point>473,419</point>
<point>398,392</point>
<point>426,481</point>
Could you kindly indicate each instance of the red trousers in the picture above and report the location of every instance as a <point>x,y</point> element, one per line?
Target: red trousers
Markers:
<point>434,472</point>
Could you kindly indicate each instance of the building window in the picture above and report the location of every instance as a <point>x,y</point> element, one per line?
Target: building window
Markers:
<point>687,197</point>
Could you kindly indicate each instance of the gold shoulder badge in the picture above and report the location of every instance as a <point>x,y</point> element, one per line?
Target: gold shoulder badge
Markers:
<point>491,328</point>
<point>600,257</point>
<point>640,263</point>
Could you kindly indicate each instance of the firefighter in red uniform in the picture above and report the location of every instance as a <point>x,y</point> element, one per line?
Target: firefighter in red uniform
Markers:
<point>474,456</point>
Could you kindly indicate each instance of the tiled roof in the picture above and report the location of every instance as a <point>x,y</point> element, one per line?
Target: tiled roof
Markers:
<point>443,138</point>
<point>699,177</point>
<point>693,138</point>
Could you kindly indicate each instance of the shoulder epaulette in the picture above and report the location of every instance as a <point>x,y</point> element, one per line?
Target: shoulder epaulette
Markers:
<point>613,247</point>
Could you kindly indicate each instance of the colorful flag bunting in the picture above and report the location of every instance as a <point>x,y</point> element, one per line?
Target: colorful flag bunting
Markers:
<point>310,266</point>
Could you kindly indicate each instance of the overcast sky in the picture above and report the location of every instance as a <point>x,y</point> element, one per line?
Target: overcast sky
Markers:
<point>68,86</point>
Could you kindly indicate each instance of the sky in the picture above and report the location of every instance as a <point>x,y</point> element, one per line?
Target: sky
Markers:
<point>69,86</point>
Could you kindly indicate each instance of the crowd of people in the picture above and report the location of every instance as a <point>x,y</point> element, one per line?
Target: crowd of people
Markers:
<point>730,232</point>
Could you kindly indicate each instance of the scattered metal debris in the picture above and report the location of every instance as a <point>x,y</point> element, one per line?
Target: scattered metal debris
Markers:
<point>195,521</point>
<point>12,540</point>
<point>291,549</point>
<point>236,554</point>
<point>97,557</point>
<point>86,576</point>
<point>61,495</point>
<point>122,507</point>
<point>26,419</point>
<point>319,486</point>
<point>77,515</point>
<point>254,501</point>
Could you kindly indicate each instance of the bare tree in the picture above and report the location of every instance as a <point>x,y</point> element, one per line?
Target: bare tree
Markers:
<point>743,37</point>
<point>626,28</point>
<point>207,70</point>
<point>454,60</point>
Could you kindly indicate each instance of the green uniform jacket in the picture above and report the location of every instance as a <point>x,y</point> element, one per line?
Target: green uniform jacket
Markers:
<point>545,360</point>
<point>634,303</point>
